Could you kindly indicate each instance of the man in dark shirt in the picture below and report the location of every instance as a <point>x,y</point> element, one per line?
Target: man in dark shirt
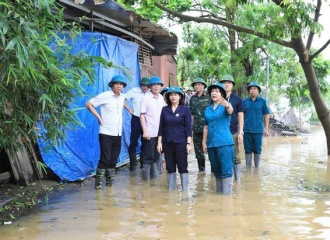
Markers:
<point>236,122</point>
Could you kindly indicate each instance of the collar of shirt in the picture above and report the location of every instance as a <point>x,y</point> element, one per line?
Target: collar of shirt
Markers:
<point>150,94</point>
<point>257,98</point>
<point>113,94</point>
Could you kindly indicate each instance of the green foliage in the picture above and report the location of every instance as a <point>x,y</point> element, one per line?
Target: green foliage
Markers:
<point>39,77</point>
<point>322,71</point>
<point>200,57</point>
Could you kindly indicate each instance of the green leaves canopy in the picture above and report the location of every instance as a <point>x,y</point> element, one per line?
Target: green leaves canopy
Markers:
<point>39,77</point>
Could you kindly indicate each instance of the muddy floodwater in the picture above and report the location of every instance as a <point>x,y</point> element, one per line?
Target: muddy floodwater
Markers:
<point>286,198</point>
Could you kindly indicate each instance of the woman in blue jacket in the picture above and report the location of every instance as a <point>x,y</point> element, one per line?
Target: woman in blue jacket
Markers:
<point>174,137</point>
<point>217,138</point>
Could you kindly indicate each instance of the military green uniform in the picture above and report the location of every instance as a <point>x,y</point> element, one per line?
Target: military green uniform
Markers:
<point>197,107</point>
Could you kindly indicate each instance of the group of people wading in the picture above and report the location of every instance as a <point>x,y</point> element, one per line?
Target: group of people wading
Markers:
<point>216,121</point>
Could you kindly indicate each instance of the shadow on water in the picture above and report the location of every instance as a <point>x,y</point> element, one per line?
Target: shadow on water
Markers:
<point>286,198</point>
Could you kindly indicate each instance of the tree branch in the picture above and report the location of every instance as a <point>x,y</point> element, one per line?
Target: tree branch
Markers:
<point>316,19</point>
<point>187,18</point>
<point>320,50</point>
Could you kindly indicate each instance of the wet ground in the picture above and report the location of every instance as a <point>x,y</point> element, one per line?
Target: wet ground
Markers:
<point>287,198</point>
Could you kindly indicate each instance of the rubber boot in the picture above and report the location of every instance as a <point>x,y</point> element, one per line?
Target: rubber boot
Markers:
<point>248,159</point>
<point>171,179</point>
<point>99,178</point>
<point>201,165</point>
<point>154,172</point>
<point>160,163</point>
<point>146,171</point>
<point>132,161</point>
<point>184,181</point>
<point>218,184</point>
<point>237,172</point>
<point>227,185</point>
<point>109,176</point>
<point>257,160</point>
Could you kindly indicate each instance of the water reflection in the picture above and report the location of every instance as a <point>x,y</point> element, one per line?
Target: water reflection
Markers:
<point>284,199</point>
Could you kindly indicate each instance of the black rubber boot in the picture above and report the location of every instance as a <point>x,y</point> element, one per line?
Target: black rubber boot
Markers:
<point>109,176</point>
<point>146,171</point>
<point>99,178</point>
<point>201,165</point>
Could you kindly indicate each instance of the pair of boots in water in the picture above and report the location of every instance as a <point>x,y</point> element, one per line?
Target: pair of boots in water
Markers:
<point>150,170</point>
<point>248,159</point>
<point>171,179</point>
<point>108,173</point>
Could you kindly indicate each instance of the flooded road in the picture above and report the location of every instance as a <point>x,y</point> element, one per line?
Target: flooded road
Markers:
<point>284,199</point>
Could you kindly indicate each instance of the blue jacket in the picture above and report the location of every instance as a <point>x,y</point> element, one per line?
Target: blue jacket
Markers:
<point>175,127</point>
<point>218,122</point>
<point>254,112</point>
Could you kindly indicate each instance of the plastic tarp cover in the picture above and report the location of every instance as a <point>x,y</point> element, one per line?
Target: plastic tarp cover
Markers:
<point>78,155</point>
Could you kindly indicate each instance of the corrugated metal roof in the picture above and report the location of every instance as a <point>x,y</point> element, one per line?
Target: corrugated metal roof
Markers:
<point>111,18</point>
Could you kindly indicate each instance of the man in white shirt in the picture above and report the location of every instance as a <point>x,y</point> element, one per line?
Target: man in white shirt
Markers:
<point>111,105</point>
<point>136,94</point>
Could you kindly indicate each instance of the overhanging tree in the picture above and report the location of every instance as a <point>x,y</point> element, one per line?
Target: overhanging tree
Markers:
<point>39,77</point>
<point>292,24</point>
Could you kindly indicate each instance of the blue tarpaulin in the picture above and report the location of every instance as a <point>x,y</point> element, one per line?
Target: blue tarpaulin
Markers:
<point>78,156</point>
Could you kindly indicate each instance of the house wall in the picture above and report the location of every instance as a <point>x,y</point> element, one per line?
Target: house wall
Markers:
<point>164,67</point>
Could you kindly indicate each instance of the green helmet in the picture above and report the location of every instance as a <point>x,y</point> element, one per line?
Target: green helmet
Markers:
<point>144,81</point>
<point>228,78</point>
<point>253,84</point>
<point>199,80</point>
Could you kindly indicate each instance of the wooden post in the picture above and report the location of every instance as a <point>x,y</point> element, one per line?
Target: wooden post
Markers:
<point>21,165</point>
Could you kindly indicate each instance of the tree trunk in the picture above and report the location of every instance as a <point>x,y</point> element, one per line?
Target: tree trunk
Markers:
<point>314,88</point>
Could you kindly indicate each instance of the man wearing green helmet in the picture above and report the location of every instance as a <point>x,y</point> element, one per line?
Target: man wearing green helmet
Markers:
<point>198,103</point>
<point>135,95</point>
<point>256,120</point>
<point>236,122</point>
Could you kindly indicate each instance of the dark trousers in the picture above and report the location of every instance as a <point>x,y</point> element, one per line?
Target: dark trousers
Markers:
<point>136,133</point>
<point>176,155</point>
<point>150,153</point>
<point>197,138</point>
<point>110,150</point>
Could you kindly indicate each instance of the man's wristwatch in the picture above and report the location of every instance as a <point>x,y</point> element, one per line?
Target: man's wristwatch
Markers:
<point>241,132</point>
